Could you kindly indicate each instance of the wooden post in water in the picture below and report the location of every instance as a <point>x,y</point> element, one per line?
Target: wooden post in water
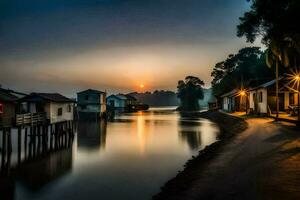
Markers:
<point>25,142</point>
<point>39,139</point>
<point>30,143</point>
<point>51,136</point>
<point>19,145</point>
<point>9,149</point>
<point>33,137</point>
<point>9,142</point>
<point>3,148</point>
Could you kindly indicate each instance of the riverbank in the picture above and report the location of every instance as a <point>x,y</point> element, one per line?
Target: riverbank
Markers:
<point>261,162</point>
<point>229,126</point>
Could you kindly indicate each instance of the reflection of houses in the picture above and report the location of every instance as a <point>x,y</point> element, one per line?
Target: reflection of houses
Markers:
<point>234,102</point>
<point>91,134</point>
<point>263,98</point>
<point>46,169</point>
<point>54,106</point>
<point>91,101</point>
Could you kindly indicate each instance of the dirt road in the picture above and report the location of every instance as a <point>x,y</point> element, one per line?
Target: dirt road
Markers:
<point>262,162</point>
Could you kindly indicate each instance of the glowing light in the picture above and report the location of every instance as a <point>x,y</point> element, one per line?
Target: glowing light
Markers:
<point>294,79</point>
<point>242,92</point>
<point>142,86</point>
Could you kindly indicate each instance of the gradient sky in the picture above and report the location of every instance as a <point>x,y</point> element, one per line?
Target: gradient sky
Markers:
<point>69,45</point>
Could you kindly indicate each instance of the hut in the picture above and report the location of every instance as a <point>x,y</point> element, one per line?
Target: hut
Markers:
<point>91,101</point>
<point>53,107</point>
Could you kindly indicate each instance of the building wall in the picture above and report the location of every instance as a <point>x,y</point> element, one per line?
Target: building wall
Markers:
<point>296,99</point>
<point>118,102</point>
<point>225,103</point>
<point>94,103</point>
<point>286,100</point>
<point>66,114</point>
<point>262,107</point>
<point>6,118</point>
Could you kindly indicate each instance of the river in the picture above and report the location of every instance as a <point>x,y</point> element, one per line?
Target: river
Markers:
<point>129,158</point>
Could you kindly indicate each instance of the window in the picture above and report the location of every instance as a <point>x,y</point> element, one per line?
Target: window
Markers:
<point>86,97</point>
<point>260,97</point>
<point>1,108</point>
<point>59,111</point>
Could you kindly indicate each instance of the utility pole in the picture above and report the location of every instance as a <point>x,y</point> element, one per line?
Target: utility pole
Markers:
<point>277,90</point>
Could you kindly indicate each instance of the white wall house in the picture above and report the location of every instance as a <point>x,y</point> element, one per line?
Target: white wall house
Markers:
<point>263,97</point>
<point>56,107</point>
<point>228,101</point>
<point>259,100</point>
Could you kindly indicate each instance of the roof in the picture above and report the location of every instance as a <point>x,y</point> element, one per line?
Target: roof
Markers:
<point>267,84</point>
<point>231,93</point>
<point>54,97</point>
<point>6,96</point>
<point>92,91</point>
<point>122,96</point>
<point>115,96</point>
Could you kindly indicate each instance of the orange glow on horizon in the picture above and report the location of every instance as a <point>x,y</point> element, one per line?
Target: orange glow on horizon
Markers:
<point>142,86</point>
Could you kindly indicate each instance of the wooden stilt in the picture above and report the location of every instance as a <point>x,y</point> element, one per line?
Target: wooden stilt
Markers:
<point>19,145</point>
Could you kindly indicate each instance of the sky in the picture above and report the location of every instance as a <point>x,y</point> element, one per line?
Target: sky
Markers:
<point>114,45</point>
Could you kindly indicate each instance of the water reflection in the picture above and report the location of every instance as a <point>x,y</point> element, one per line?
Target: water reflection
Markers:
<point>91,134</point>
<point>139,153</point>
<point>34,160</point>
<point>194,132</point>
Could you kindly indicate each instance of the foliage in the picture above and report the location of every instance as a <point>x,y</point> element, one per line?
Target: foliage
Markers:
<point>190,92</point>
<point>157,98</point>
<point>239,70</point>
<point>276,22</point>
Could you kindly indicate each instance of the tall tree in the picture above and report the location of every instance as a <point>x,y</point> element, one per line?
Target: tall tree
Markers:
<point>276,22</point>
<point>239,70</point>
<point>190,92</point>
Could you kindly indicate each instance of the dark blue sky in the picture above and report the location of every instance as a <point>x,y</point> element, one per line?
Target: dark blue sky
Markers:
<point>41,39</point>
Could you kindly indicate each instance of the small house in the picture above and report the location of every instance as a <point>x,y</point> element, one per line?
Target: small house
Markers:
<point>263,97</point>
<point>233,101</point>
<point>91,101</point>
<point>7,108</point>
<point>53,106</point>
<point>117,102</point>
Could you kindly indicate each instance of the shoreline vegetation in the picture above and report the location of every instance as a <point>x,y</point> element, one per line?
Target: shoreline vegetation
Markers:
<point>229,127</point>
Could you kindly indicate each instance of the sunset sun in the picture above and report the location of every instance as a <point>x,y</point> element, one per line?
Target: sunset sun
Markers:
<point>142,86</point>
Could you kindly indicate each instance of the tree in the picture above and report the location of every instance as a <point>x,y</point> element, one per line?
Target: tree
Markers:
<point>275,21</point>
<point>239,70</point>
<point>190,92</point>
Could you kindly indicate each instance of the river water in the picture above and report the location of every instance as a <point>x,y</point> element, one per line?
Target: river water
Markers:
<point>129,158</point>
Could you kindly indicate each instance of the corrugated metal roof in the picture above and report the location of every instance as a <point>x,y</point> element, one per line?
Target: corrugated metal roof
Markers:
<point>231,93</point>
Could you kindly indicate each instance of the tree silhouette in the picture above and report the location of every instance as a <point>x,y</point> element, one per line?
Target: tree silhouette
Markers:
<point>190,92</point>
<point>276,22</point>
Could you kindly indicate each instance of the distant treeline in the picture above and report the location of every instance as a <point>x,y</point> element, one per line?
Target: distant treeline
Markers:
<point>157,98</point>
<point>167,98</point>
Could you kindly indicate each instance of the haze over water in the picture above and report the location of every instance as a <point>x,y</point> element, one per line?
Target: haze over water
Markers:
<point>130,158</point>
